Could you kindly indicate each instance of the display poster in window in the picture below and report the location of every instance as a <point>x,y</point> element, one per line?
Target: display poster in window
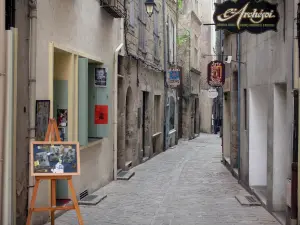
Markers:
<point>62,117</point>
<point>101,114</point>
<point>216,73</point>
<point>54,158</point>
<point>174,77</point>
<point>41,118</point>
<point>100,77</point>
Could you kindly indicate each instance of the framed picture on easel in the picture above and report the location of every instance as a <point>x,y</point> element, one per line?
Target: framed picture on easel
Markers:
<point>55,158</point>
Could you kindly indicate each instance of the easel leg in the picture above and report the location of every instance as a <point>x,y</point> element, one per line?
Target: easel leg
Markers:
<point>32,203</point>
<point>74,199</point>
<point>53,200</point>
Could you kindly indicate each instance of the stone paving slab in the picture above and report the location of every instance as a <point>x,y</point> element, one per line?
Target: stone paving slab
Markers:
<point>186,185</point>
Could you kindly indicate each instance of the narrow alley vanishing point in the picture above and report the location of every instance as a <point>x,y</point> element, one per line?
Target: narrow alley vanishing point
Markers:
<point>183,186</point>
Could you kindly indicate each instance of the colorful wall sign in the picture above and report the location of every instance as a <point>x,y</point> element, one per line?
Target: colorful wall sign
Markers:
<point>254,16</point>
<point>101,114</point>
<point>216,73</point>
<point>174,77</point>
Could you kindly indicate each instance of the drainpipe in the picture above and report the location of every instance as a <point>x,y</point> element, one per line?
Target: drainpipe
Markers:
<point>239,98</point>
<point>294,180</point>
<point>2,94</point>
<point>165,72</point>
<point>115,110</point>
<point>32,85</point>
<point>8,142</point>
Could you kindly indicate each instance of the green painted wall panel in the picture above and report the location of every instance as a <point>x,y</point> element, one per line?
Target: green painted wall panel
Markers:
<point>83,101</point>
<point>98,96</point>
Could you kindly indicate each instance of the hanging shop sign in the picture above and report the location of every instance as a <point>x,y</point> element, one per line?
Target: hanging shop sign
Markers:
<point>254,16</point>
<point>174,77</point>
<point>212,93</point>
<point>101,114</point>
<point>216,73</point>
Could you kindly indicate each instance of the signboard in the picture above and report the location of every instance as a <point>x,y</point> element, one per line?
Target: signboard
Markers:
<point>254,16</point>
<point>174,77</point>
<point>212,93</point>
<point>54,158</point>
<point>101,114</point>
<point>100,77</point>
<point>216,73</point>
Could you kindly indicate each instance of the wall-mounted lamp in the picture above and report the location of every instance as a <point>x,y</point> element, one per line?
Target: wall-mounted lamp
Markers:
<point>150,4</point>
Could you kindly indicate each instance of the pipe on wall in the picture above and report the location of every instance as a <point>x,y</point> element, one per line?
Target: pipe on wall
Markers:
<point>239,99</point>
<point>165,73</point>
<point>8,142</point>
<point>32,84</point>
<point>2,95</point>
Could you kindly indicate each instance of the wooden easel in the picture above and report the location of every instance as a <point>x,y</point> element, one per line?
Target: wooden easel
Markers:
<point>52,131</point>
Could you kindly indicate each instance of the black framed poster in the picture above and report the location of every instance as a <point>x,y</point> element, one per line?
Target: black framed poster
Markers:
<point>100,77</point>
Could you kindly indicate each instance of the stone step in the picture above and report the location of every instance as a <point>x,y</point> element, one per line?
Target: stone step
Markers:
<point>125,175</point>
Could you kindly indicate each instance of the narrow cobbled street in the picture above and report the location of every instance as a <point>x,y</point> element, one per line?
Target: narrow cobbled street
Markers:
<point>186,185</point>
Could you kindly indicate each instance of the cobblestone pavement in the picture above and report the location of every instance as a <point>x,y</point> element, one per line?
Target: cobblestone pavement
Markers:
<point>186,185</point>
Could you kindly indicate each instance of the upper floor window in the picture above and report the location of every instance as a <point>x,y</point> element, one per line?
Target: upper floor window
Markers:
<point>142,25</point>
<point>155,34</point>
<point>171,41</point>
<point>132,13</point>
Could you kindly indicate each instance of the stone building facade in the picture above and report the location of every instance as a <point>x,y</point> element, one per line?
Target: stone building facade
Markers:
<point>194,41</point>
<point>141,93</point>
<point>258,111</point>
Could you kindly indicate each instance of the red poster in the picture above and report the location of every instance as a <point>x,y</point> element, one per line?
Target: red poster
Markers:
<point>101,114</point>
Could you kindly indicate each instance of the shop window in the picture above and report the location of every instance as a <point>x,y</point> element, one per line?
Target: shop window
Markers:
<point>172,114</point>
<point>92,105</point>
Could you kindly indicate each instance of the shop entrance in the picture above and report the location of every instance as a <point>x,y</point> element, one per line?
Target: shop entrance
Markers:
<point>62,70</point>
<point>144,121</point>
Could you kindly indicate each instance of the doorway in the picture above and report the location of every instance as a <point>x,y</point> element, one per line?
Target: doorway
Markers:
<point>280,156</point>
<point>145,129</point>
<point>129,128</point>
<point>227,127</point>
<point>258,117</point>
<point>196,118</point>
<point>121,122</point>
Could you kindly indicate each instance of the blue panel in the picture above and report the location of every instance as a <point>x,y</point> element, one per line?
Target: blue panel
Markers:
<point>83,101</point>
<point>98,96</point>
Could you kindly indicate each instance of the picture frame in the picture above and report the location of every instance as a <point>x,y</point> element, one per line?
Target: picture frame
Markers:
<point>42,115</point>
<point>54,158</point>
<point>100,77</point>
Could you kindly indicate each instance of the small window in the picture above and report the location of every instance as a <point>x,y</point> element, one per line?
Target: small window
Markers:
<point>142,25</point>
